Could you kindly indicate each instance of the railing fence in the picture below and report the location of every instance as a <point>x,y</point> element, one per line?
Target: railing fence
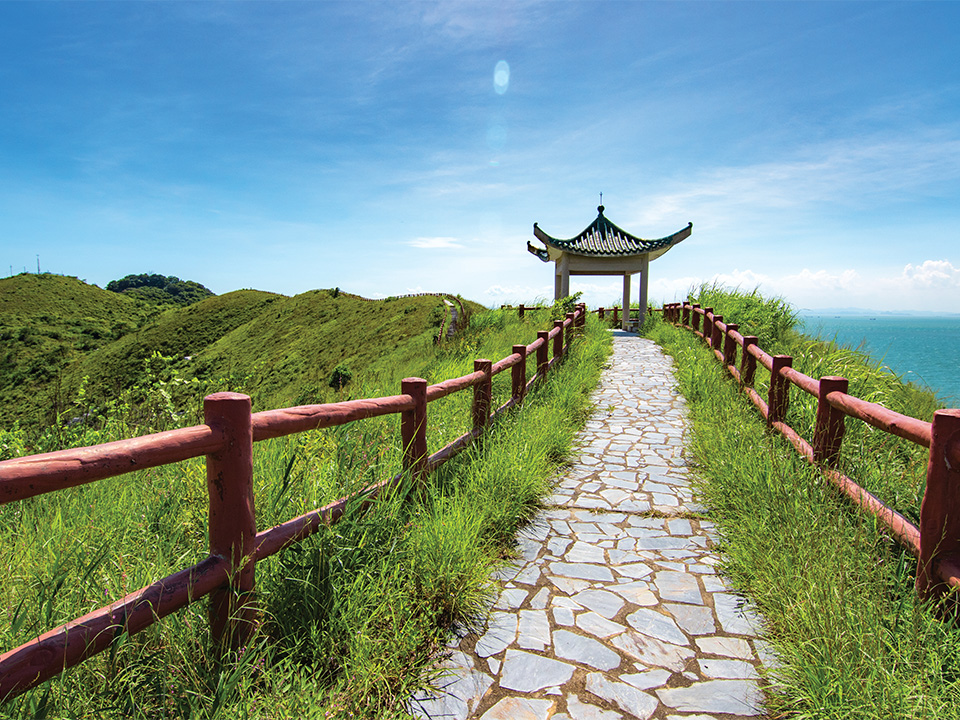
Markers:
<point>936,542</point>
<point>226,439</point>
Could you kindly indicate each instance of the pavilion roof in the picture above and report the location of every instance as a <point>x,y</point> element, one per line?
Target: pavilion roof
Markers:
<point>604,239</point>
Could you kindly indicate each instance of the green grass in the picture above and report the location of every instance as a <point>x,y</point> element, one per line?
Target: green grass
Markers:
<point>835,592</point>
<point>351,617</point>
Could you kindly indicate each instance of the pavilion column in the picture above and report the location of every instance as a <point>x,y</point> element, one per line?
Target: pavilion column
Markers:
<point>644,287</point>
<point>626,301</point>
<point>564,268</point>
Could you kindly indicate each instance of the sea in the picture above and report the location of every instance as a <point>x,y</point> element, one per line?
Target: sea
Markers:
<point>922,349</point>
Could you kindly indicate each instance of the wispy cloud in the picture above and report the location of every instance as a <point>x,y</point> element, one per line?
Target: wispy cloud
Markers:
<point>850,173</point>
<point>507,293</point>
<point>436,243</point>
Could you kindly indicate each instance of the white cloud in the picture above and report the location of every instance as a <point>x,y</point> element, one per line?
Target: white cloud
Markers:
<point>928,285</point>
<point>932,273</point>
<point>672,289</point>
<point>436,243</point>
<point>519,293</point>
<point>822,282</point>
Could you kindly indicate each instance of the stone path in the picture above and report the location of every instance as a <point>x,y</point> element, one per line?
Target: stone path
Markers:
<point>454,315</point>
<point>614,608</point>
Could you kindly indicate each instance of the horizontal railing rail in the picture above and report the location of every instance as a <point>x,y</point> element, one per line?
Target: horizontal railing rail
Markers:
<point>936,542</point>
<point>226,440</point>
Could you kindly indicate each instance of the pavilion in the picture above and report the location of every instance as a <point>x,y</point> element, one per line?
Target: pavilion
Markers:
<point>604,249</point>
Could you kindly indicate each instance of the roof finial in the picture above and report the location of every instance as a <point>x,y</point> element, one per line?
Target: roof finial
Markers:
<point>600,208</point>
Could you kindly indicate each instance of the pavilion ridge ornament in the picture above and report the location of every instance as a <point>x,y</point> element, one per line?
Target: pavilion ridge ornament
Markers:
<point>604,249</point>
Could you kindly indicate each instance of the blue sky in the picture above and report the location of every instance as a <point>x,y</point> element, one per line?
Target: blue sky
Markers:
<point>375,146</point>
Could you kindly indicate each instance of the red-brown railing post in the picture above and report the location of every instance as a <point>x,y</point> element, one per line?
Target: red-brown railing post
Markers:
<point>600,313</point>
<point>581,315</point>
<point>829,428</point>
<point>558,339</point>
<point>715,332</point>
<point>231,524</point>
<point>685,314</point>
<point>940,509</point>
<point>696,318</point>
<point>708,325</point>
<point>778,398</point>
<point>413,427</point>
<point>522,309</point>
<point>482,394</point>
<point>616,316</point>
<point>730,346</point>
<point>543,360</point>
<point>748,363</point>
<point>519,374</point>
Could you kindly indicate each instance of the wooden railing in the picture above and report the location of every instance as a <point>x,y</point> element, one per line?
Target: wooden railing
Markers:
<point>226,439</point>
<point>936,542</point>
<point>523,309</point>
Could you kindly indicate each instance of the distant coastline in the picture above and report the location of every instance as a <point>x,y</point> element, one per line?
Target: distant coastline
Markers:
<point>863,312</point>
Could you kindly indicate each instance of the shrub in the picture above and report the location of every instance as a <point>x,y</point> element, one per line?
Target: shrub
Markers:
<point>564,305</point>
<point>340,377</point>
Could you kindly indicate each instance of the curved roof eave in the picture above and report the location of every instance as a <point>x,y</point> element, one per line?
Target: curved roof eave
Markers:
<point>604,239</point>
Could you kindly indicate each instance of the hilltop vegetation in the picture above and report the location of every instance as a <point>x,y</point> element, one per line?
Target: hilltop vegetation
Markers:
<point>160,289</point>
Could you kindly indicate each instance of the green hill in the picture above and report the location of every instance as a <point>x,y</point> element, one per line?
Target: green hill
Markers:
<point>48,322</point>
<point>64,338</point>
<point>292,349</point>
<point>177,333</point>
<point>62,296</point>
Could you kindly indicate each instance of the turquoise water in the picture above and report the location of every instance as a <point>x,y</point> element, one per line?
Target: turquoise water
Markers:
<point>924,350</point>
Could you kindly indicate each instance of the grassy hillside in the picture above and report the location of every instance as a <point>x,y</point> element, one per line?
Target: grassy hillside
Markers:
<point>27,295</point>
<point>48,322</point>
<point>76,354</point>
<point>291,350</point>
<point>177,334</point>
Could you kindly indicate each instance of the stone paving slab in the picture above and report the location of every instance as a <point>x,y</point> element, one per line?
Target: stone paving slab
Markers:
<point>614,608</point>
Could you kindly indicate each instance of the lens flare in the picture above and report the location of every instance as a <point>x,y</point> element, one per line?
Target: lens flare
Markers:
<point>501,77</point>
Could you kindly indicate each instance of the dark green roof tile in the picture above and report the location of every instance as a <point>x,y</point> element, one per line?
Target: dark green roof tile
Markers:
<point>604,239</point>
